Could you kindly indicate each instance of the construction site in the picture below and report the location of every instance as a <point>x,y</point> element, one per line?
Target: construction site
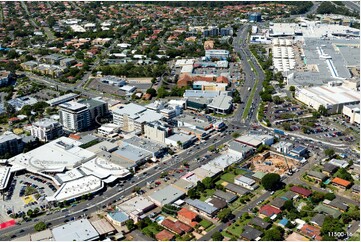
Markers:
<point>271,162</point>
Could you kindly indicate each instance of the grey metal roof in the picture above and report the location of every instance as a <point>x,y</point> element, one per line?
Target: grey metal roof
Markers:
<point>251,233</point>
<point>318,219</point>
<point>278,202</point>
<point>337,203</point>
<point>167,195</point>
<point>79,230</point>
<point>237,146</point>
<point>221,102</point>
<point>317,174</point>
<point>205,207</point>
<point>237,189</point>
<point>144,144</point>
<point>228,197</point>
<point>260,222</point>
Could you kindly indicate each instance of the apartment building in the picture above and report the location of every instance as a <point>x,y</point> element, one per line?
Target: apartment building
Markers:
<point>46,129</point>
<point>10,143</point>
<point>74,116</point>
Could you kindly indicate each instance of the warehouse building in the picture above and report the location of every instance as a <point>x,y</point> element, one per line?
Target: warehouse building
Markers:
<point>333,98</point>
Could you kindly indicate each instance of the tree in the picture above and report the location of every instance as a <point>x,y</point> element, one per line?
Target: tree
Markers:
<point>9,109</point>
<point>261,148</point>
<point>235,135</point>
<point>292,88</point>
<point>272,235</point>
<point>288,205</point>
<point>236,97</point>
<point>224,214</point>
<point>322,110</point>
<point>30,213</point>
<point>317,197</point>
<point>130,224</point>
<point>192,193</point>
<point>211,148</point>
<point>271,181</point>
<point>343,174</point>
<point>12,54</point>
<point>208,182</point>
<point>331,225</point>
<point>179,143</point>
<point>169,209</point>
<point>217,236</point>
<point>152,92</point>
<point>277,100</point>
<point>330,196</point>
<point>329,152</point>
<point>40,226</point>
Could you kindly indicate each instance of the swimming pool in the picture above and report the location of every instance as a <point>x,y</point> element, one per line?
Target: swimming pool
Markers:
<point>159,219</point>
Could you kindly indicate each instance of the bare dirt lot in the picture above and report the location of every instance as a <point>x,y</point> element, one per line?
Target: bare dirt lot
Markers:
<point>270,162</point>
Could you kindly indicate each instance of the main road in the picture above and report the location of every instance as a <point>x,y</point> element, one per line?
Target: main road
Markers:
<point>112,194</point>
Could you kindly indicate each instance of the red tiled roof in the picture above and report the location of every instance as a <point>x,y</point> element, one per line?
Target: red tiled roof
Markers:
<point>222,79</point>
<point>311,231</point>
<point>269,211</point>
<point>177,227</point>
<point>302,191</point>
<point>164,235</point>
<point>341,182</point>
<point>187,214</point>
<point>74,136</point>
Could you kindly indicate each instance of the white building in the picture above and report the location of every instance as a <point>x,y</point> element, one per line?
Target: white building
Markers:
<point>157,131</point>
<point>352,113</point>
<point>74,116</point>
<point>46,129</point>
<point>217,54</point>
<point>245,182</point>
<point>283,147</point>
<point>132,117</point>
<point>135,207</point>
<point>333,98</point>
<point>108,129</point>
<point>78,230</point>
<point>184,140</point>
<point>62,99</point>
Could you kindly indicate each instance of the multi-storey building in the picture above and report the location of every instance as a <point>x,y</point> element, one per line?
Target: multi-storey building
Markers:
<point>74,116</point>
<point>46,129</point>
<point>10,143</point>
<point>157,131</point>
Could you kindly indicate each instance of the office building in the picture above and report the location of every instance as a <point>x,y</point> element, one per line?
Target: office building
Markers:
<point>352,113</point>
<point>46,129</point>
<point>157,131</point>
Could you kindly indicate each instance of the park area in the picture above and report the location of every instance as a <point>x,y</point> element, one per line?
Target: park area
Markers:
<point>269,162</point>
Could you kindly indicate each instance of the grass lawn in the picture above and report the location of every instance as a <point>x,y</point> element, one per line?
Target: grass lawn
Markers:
<point>210,228</point>
<point>237,230</point>
<point>226,235</point>
<point>228,177</point>
<point>250,100</point>
<point>209,192</point>
<point>205,223</point>
<point>151,228</point>
<point>355,237</point>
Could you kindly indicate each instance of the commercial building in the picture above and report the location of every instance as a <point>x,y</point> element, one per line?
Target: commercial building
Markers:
<point>283,147</point>
<point>20,102</point>
<point>108,129</point>
<point>166,195</point>
<point>180,140</point>
<point>62,99</point>
<point>157,131</point>
<point>5,173</point>
<point>333,98</point>
<point>113,80</point>
<point>245,182</point>
<point>65,153</point>
<point>209,86</point>
<point>352,113</point>
<point>221,105</point>
<point>10,144</point>
<point>46,129</point>
<point>78,230</point>
<point>255,17</point>
<point>136,207</point>
<point>255,140</point>
<point>133,117</point>
<point>217,54</point>
<point>299,151</point>
<point>155,149</point>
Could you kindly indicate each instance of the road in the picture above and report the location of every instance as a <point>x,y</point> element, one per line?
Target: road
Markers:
<point>112,193</point>
<point>23,4</point>
<point>238,214</point>
<point>352,5</point>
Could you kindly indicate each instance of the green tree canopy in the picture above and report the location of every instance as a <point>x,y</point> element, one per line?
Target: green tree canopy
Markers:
<point>40,226</point>
<point>224,214</point>
<point>329,152</point>
<point>271,181</point>
<point>217,236</point>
